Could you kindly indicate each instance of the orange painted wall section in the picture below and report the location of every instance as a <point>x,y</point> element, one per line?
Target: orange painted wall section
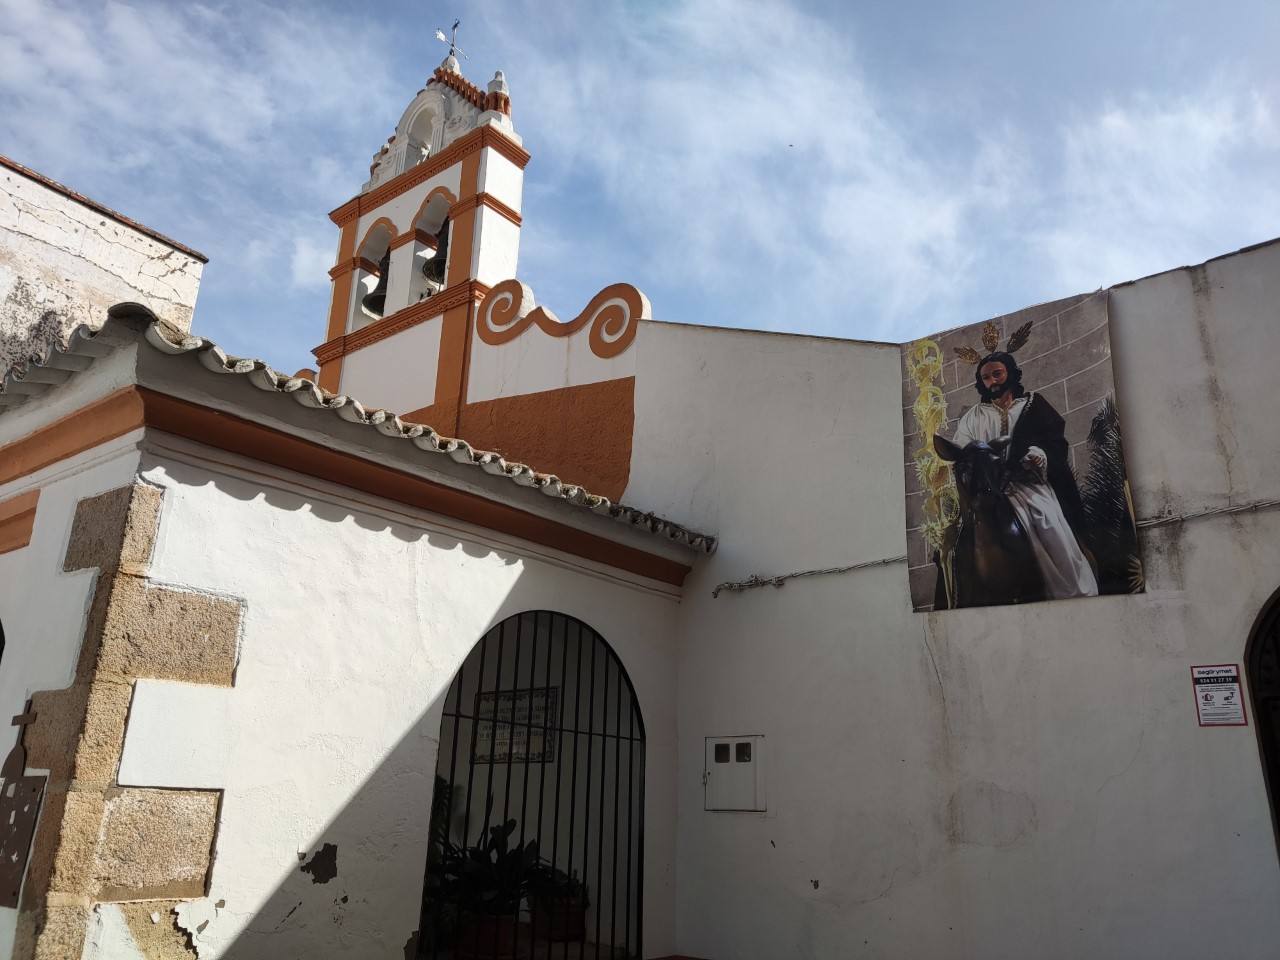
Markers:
<point>582,434</point>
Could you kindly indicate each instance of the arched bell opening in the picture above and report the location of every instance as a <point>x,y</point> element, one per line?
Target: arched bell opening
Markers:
<point>537,826</point>
<point>1262,672</point>
<point>424,133</point>
<point>431,247</point>
<point>374,256</point>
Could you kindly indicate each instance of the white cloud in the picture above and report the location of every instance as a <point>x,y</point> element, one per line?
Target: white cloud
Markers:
<point>311,260</point>
<point>745,156</point>
<point>735,157</point>
<point>234,128</point>
<point>742,139</point>
<point>1154,183</point>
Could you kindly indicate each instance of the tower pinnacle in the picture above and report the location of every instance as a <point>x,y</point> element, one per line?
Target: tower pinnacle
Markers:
<point>450,63</point>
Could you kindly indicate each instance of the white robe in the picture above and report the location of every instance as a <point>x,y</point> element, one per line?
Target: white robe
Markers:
<point>1063,566</point>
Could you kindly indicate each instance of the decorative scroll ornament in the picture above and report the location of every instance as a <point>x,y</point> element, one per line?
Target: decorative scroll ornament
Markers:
<point>614,315</point>
<point>991,340</point>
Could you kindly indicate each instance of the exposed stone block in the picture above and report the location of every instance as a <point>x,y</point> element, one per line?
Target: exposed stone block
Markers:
<point>155,844</point>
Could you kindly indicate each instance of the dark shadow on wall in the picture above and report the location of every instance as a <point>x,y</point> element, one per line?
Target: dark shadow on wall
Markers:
<point>357,892</point>
<point>350,895</point>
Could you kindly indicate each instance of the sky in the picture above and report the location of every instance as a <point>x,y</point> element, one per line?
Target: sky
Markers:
<point>874,170</point>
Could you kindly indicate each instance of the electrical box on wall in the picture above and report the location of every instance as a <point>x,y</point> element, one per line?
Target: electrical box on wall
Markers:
<point>733,773</point>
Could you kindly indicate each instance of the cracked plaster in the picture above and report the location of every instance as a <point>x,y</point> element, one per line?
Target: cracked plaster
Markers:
<point>63,264</point>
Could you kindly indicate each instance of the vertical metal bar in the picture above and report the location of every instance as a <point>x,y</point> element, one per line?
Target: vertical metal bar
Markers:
<point>528,747</point>
<point>564,677</point>
<point>475,727</point>
<point>493,728</point>
<point>586,794</point>
<point>542,765</point>
<point>640,857</point>
<point>511,752</point>
<point>456,690</point>
<point>604,761</point>
<point>617,786</point>
<point>573,783</point>
<point>631,766</point>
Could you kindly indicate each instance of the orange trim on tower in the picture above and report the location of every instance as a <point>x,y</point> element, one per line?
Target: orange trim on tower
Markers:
<point>409,236</point>
<point>330,375</point>
<point>380,222</point>
<point>349,212</point>
<point>337,304</point>
<point>468,292</point>
<point>487,200</point>
<point>471,143</point>
<point>459,85</point>
<point>443,192</point>
<point>455,334</point>
<point>352,264</point>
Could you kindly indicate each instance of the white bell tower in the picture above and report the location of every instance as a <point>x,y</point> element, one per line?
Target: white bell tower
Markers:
<point>434,227</point>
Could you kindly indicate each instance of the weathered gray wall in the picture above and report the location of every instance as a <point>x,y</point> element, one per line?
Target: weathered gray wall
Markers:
<point>64,262</point>
<point>999,782</point>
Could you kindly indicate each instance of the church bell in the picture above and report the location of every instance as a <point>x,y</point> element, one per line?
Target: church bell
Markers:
<point>375,301</point>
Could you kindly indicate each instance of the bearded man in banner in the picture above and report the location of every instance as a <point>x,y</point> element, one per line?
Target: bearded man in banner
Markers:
<point>1026,434</point>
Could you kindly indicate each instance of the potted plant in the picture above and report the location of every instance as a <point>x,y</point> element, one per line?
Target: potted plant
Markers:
<point>559,904</point>
<point>483,886</point>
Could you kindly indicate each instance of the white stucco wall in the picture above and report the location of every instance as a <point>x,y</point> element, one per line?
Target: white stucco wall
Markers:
<point>355,621</point>
<point>42,609</point>
<point>536,361</point>
<point>1002,782</point>
<point>398,373</point>
<point>497,247</point>
<point>502,178</point>
<point>64,263</point>
<point>401,210</point>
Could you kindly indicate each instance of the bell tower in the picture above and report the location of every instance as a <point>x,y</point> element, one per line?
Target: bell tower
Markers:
<point>429,321</point>
<point>433,228</point>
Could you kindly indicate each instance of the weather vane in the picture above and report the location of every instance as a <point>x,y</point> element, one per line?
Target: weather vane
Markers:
<point>452,41</point>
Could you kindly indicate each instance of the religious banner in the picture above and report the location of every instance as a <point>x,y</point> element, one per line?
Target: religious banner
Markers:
<point>1015,479</point>
<point>517,726</point>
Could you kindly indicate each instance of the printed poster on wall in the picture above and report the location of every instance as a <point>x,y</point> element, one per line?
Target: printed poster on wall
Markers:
<point>1219,702</point>
<point>1015,479</point>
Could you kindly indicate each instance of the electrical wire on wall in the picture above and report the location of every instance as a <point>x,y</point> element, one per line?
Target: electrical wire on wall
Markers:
<point>753,581</point>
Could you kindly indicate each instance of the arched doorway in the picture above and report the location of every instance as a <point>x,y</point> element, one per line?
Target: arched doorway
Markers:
<point>537,827</point>
<point>1262,669</point>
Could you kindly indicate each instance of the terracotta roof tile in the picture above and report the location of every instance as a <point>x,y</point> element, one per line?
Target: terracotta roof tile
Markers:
<point>20,384</point>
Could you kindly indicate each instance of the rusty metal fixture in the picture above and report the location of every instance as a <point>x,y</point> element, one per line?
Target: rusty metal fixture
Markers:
<point>19,807</point>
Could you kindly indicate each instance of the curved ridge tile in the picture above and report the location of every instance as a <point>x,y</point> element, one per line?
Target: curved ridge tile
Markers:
<point>308,394</point>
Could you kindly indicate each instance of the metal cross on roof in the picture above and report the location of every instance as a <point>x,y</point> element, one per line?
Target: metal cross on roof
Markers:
<point>452,41</point>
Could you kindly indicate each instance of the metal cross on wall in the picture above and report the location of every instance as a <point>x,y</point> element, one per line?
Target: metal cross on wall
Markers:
<point>19,808</point>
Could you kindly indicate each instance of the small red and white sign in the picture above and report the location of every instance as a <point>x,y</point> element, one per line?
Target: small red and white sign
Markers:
<point>1219,700</point>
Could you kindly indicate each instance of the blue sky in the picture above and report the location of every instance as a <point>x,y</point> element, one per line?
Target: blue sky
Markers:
<point>872,170</point>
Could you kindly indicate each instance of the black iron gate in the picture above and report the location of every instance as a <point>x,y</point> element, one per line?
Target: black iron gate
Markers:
<point>537,826</point>
<point>1262,668</point>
